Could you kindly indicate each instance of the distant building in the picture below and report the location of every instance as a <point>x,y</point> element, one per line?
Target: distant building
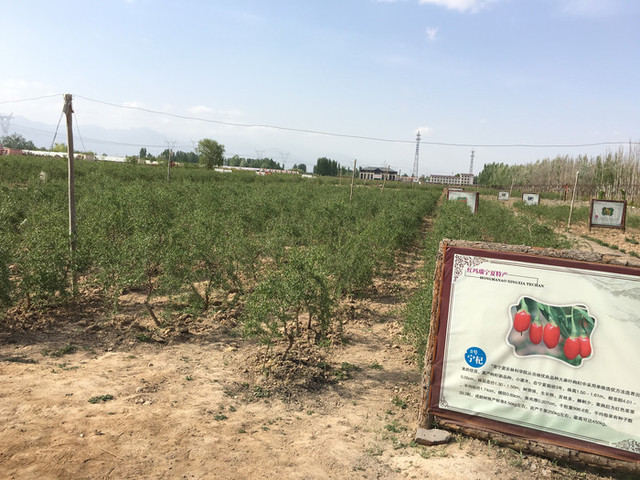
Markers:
<point>460,179</point>
<point>9,151</point>
<point>408,179</point>
<point>377,173</point>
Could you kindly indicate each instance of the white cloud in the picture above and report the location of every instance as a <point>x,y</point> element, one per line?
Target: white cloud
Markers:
<point>459,5</point>
<point>15,89</point>
<point>132,104</point>
<point>228,115</point>
<point>432,34</point>
<point>231,113</point>
<point>200,109</point>
<point>424,131</point>
<point>591,8</point>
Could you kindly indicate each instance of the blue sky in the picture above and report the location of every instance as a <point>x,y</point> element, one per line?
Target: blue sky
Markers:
<point>479,74</point>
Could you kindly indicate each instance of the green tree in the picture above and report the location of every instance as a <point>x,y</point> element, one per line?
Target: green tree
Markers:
<point>15,140</point>
<point>267,163</point>
<point>165,155</point>
<point>495,174</point>
<point>326,167</point>
<point>185,157</point>
<point>234,161</point>
<point>211,153</point>
<point>60,147</point>
<point>143,152</point>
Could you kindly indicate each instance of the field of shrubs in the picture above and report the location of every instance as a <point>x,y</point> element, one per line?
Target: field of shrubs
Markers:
<point>283,246</point>
<point>287,249</point>
<point>334,293</point>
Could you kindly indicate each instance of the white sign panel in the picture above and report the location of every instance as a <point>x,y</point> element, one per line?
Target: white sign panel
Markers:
<point>608,213</point>
<point>543,346</point>
<point>531,198</point>
<point>471,198</point>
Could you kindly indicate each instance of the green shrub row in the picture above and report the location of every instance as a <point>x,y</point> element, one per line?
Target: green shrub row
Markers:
<point>288,247</point>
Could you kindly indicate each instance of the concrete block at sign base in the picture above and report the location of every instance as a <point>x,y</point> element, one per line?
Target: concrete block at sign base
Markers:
<point>432,436</point>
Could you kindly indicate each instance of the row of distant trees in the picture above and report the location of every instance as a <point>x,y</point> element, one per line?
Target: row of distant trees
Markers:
<point>327,167</point>
<point>208,153</point>
<point>17,141</point>
<point>613,174</point>
<point>177,156</point>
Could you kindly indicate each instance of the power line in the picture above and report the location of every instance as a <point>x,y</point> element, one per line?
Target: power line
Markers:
<point>361,137</point>
<point>84,149</point>
<point>333,134</point>
<point>30,99</point>
<point>246,125</point>
<point>56,133</point>
<point>110,142</point>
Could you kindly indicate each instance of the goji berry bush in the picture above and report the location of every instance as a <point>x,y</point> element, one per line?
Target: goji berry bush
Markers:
<point>286,247</point>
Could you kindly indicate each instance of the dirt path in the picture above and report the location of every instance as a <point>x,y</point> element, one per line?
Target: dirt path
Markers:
<point>192,408</point>
<point>614,243</point>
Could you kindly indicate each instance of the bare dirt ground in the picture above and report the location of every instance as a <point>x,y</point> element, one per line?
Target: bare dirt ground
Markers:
<point>623,242</point>
<point>617,242</point>
<point>85,396</point>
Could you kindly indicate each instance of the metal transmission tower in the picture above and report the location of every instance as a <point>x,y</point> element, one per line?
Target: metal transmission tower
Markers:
<point>5,123</point>
<point>416,160</point>
<point>471,165</point>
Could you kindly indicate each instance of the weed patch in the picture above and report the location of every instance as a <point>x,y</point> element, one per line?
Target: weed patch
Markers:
<point>101,398</point>
<point>66,350</point>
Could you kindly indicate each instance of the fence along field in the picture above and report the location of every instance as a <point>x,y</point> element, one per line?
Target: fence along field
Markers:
<point>286,248</point>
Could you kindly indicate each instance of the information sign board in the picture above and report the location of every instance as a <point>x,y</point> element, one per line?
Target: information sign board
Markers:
<point>608,214</point>
<point>539,347</point>
<point>471,198</point>
<point>531,198</point>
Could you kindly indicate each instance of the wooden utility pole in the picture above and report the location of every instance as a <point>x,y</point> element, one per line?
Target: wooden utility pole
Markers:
<point>169,165</point>
<point>170,146</point>
<point>68,111</point>
<point>384,179</point>
<point>353,179</point>
<point>573,196</point>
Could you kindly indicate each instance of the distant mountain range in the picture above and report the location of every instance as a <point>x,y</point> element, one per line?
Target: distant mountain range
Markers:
<point>112,141</point>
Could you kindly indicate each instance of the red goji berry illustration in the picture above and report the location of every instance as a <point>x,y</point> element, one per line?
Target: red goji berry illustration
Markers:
<point>571,347</point>
<point>551,335</point>
<point>585,346</point>
<point>535,333</point>
<point>521,321</point>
